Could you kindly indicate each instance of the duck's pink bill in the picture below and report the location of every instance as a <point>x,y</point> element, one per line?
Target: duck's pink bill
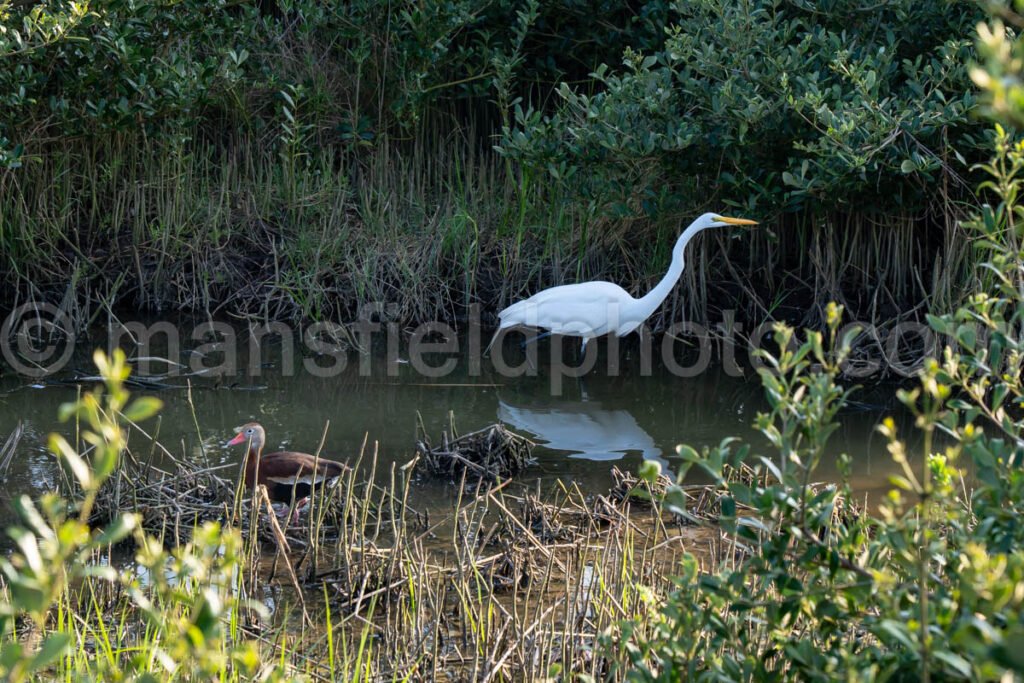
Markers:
<point>239,438</point>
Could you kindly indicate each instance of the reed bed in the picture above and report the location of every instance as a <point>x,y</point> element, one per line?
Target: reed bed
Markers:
<point>498,581</point>
<point>426,228</point>
<point>508,581</point>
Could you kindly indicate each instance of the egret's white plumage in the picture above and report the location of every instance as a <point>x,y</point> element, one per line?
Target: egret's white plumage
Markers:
<point>593,309</point>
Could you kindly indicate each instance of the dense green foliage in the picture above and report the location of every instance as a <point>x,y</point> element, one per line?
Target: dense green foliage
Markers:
<point>771,104</point>
<point>926,585</point>
<point>367,68</point>
<point>145,143</point>
<point>821,590</point>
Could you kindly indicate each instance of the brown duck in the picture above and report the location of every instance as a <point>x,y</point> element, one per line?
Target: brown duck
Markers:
<point>283,473</point>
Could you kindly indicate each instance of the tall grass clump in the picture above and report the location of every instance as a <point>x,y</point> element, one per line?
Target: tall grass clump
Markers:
<point>60,581</point>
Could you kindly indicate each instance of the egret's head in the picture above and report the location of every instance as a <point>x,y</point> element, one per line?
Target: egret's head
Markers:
<point>717,220</point>
<point>705,221</point>
<point>252,433</point>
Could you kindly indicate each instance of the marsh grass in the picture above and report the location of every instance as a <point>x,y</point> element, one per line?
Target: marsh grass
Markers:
<point>509,583</point>
<point>180,574</point>
<point>187,576</point>
<point>426,226</point>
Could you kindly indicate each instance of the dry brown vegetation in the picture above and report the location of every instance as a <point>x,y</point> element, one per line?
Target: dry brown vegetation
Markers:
<point>503,581</point>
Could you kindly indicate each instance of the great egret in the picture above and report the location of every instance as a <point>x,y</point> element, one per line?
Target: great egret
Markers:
<point>592,309</point>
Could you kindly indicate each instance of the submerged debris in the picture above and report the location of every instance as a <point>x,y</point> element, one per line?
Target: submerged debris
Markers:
<point>548,522</point>
<point>514,567</point>
<point>490,454</point>
<point>361,578</point>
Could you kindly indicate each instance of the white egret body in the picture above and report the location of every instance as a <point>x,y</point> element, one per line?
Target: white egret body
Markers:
<point>593,309</point>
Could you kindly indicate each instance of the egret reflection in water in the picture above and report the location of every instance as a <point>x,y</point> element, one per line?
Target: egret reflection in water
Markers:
<point>582,428</point>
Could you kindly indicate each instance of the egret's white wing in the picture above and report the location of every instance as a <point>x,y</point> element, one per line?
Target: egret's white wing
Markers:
<point>584,309</point>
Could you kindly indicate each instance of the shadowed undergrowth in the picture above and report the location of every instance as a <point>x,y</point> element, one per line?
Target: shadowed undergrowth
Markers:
<point>302,160</point>
<point>420,231</point>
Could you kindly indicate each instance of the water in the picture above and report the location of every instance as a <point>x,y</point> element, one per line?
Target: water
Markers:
<point>596,422</point>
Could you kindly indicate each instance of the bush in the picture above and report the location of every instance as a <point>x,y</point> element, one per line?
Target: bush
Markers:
<point>187,608</point>
<point>820,590</point>
<point>72,69</point>
<point>775,105</point>
<point>846,109</point>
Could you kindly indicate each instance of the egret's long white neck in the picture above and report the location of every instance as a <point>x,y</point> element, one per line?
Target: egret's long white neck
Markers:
<point>648,303</point>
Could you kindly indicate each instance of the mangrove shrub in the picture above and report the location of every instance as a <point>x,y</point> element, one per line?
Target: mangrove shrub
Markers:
<point>771,104</point>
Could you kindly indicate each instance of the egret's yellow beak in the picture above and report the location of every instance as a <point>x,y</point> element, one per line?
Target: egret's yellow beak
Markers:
<point>734,221</point>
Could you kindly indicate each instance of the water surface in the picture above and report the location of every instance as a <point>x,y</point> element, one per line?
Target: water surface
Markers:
<point>597,422</point>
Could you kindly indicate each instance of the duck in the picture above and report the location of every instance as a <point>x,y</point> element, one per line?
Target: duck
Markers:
<point>284,473</point>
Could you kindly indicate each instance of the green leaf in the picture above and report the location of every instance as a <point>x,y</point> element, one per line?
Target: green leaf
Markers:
<point>676,502</point>
<point>69,457</point>
<point>143,408</point>
<point>955,662</point>
<point>104,462</point>
<point>10,654</point>
<point>967,335</point>
<point>118,529</point>
<point>940,324</point>
<point>207,616</point>
<point>29,595</point>
<point>31,518</point>
<point>649,471</point>
<point>29,548</point>
<point>897,631</point>
<point>687,453</point>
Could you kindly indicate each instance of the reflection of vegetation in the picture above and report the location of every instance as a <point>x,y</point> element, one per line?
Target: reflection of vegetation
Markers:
<point>927,587</point>
<point>302,158</point>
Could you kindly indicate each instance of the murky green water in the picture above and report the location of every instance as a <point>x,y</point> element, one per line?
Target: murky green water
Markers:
<point>595,423</point>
